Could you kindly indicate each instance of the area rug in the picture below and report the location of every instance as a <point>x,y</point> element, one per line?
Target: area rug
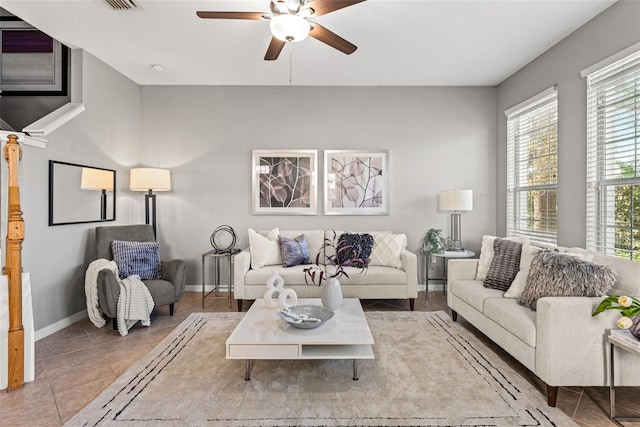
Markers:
<point>428,371</point>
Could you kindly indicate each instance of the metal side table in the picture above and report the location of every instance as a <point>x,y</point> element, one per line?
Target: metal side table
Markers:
<point>446,255</point>
<point>621,345</point>
<point>217,256</point>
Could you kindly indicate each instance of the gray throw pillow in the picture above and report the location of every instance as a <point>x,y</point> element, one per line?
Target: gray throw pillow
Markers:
<point>504,265</point>
<point>294,252</point>
<point>137,258</point>
<point>554,274</point>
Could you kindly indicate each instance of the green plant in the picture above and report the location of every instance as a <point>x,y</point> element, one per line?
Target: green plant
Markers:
<point>433,243</point>
<point>629,307</point>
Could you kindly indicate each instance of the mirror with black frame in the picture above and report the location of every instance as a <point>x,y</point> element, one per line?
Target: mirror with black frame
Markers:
<point>81,193</point>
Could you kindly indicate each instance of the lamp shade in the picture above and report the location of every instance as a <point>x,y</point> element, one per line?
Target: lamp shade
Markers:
<point>456,200</point>
<point>144,179</point>
<point>96,179</point>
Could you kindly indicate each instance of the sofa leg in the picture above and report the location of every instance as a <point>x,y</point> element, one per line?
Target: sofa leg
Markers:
<point>412,303</point>
<point>454,315</point>
<point>239,305</point>
<point>552,395</point>
<point>115,324</point>
<point>170,309</point>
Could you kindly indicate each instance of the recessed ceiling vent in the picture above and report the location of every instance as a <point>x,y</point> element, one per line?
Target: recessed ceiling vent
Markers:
<point>122,4</point>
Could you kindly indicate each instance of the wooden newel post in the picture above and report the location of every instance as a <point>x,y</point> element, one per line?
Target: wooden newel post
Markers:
<point>13,266</point>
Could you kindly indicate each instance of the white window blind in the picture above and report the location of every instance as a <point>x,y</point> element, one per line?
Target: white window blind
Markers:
<point>532,165</point>
<point>613,158</point>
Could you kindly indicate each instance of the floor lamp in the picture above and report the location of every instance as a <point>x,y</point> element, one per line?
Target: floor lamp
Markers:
<point>456,200</point>
<point>150,180</point>
<point>101,180</point>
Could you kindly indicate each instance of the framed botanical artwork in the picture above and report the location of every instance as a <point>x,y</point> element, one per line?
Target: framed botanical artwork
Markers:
<point>284,182</point>
<point>356,182</point>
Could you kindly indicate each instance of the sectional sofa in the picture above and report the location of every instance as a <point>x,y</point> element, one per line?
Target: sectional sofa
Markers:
<point>560,342</point>
<point>392,272</point>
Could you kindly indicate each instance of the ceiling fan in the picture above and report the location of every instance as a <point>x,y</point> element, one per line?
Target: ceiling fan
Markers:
<point>289,22</point>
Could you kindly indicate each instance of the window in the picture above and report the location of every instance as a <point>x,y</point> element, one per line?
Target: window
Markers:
<point>613,158</point>
<point>532,165</point>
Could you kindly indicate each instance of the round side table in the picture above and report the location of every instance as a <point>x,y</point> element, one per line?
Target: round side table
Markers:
<point>446,255</point>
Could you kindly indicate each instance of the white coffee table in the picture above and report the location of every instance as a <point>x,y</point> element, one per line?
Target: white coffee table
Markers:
<point>261,335</point>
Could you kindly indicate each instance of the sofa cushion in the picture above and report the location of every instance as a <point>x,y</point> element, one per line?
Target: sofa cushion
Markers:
<point>294,251</point>
<point>513,317</point>
<point>486,254</point>
<point>374,275</point>
<point>504,265</point>
<point>265,250</point>
<point>137,258</point>
<point>626,272</point>
<point>473,292</point>
<point>387,248</point>
<point>559,274</point>
<point>354,248</point>
<point>291,276</point>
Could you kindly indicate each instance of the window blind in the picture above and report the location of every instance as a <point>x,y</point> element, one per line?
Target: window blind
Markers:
<point>532,165</point>
<point>613,158</point>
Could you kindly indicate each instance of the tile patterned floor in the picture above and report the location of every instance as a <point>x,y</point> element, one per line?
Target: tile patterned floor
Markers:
<point>75,364</point>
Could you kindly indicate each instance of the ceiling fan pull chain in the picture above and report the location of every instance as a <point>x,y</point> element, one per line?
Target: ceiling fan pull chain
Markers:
<point>290,65</point>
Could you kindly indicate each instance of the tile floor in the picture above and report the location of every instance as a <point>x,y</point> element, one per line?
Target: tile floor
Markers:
<point>75,364</point>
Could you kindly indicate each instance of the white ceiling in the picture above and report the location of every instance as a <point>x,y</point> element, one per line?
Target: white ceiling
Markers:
<point>400,42</point>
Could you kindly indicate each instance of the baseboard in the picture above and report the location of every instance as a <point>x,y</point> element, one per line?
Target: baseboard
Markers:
<point>432,287</point>
<point>207,288</point>
<point>59,325</point>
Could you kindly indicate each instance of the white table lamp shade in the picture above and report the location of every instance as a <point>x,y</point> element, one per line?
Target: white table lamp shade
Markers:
<point>456,200</point>
<point>145,179</point>
<point>96,179</point>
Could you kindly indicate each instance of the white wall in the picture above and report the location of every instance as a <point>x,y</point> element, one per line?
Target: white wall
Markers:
<point>439,138</point>
<point>610,32</point>
<point>106,135</point>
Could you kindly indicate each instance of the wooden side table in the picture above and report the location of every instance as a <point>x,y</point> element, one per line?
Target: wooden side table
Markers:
<point>217,255</point>
<point>446,255</point>
<point>619,343</point>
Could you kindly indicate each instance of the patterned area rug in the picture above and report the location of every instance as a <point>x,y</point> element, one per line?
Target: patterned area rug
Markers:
<point>428,371</point>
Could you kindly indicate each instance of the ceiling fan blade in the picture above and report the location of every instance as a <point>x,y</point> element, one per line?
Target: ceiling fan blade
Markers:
<point>256,16</point>
<point>319,32</point>
<point>322,7</point>
<point>274,49</point>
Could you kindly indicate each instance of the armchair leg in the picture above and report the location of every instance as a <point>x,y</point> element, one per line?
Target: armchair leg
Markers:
<point>115,324</point>
<point>239,305</point>
<point>412,303</point>
<point>552,395</point>
<point>170,309</point>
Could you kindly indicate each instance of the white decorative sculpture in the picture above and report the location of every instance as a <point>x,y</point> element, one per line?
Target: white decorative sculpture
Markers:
<point>275,285</point>
<point>288,298</point>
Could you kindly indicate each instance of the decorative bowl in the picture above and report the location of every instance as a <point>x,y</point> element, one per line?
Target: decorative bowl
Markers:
<point>306,316</point>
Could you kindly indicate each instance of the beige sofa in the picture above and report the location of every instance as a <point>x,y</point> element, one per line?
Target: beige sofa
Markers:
<point>561,342</point>
<point>392,271</point>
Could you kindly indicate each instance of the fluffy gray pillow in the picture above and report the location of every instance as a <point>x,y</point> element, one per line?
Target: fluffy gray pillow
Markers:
<point>504,265</point>
<point>554,274</point>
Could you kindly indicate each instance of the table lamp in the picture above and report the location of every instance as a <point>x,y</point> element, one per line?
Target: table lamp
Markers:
<point>456,201</point>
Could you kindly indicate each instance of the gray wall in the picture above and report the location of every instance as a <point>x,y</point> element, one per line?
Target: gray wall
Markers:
<point>439,138</point>
<point>106,135</point>
<point>613,30</point>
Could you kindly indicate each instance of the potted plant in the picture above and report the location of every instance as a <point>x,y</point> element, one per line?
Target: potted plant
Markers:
<point>629,308</point>
<point>433,243</point>
<point>331,293</point>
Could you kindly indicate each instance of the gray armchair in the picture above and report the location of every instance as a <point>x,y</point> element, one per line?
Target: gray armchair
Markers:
<point>166,290</point>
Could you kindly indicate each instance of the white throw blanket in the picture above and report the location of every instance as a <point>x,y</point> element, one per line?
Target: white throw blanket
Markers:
<point>91,289</point>
<point>134,303</point>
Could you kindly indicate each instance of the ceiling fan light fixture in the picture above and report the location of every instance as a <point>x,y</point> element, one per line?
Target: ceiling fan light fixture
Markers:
<point>289,28</point>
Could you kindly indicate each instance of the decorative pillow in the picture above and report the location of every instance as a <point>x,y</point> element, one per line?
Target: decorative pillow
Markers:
<point>137,258</point>
<point>486,254</point>
<point>518,284</point>
<point>558,274</point>
<point>264,250</point>
<point>504,265</point>
<point>354,247</point>
<point>387,248</point>
<point>294,252</point>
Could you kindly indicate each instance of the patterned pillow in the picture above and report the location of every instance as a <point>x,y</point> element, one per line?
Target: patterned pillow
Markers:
<point>354,247</point>
<point>387,249</point>
<point>139,258</point>
<point>504,265</point>
<point>294,252</point>
<point>554,274</point>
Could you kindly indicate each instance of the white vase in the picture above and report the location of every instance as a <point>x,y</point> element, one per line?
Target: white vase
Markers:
<point>331,295</point>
